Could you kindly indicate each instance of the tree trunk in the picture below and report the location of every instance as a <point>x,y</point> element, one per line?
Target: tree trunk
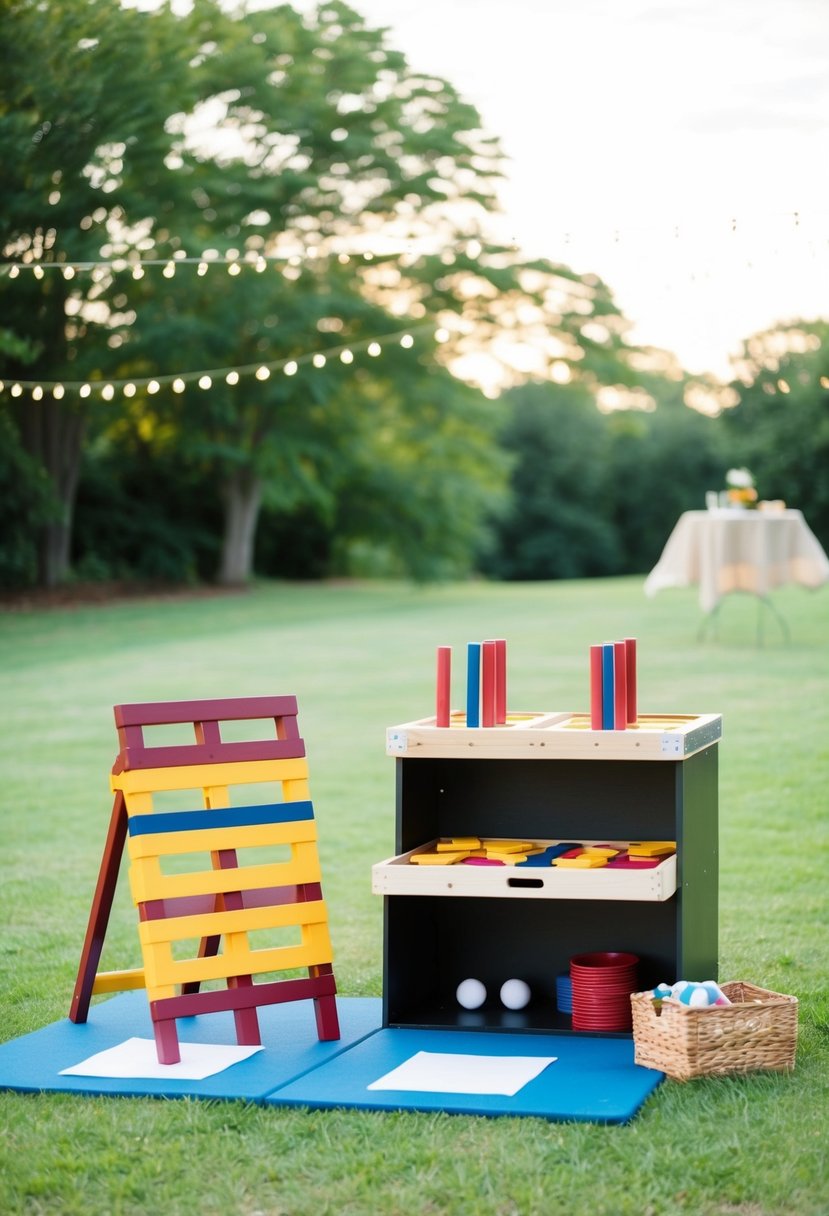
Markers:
<point>242,498</point>
<point>52,432</point>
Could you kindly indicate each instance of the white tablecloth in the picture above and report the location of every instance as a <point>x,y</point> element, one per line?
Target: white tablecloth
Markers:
<point>739,550</point>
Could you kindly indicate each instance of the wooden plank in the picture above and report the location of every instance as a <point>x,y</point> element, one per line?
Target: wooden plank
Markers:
<point>275,992</point>
<point>99,912</point>
<point>118,981</point>
<point>164,973</point>
<point>146,885</point>
<point>559,736</point>
<point>241,920</point>
<point>220,817</point>
<point>223,709</point>
<point>207,776</point>
<point>207,746</point>
<point>211,839</point>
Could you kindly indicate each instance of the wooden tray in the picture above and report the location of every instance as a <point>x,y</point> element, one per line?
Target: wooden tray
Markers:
<point>556,736</point>
<point>396,876</point>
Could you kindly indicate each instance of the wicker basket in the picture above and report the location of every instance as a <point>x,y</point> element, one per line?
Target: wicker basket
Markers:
<point>757,1031</point>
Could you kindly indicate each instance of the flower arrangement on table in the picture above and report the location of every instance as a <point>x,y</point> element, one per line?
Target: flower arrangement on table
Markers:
<point>741,491</point>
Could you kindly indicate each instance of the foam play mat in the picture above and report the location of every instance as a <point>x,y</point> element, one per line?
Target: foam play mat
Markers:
<point>557,1077</point>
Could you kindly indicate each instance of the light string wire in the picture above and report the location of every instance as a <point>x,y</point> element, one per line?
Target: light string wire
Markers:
<point>205,378</point>
<point>234,262</point>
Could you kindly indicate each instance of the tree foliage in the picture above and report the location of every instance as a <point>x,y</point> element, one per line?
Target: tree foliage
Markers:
<point>780,426</point>
<point>302,144</point>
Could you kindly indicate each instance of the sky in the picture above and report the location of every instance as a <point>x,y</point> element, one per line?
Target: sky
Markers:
<point>677,148</point>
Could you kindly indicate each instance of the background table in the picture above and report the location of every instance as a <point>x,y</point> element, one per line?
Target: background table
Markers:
<point>739,550</point>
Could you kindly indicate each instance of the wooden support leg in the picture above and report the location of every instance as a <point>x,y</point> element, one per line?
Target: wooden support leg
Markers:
<point>99,913</point>
<point>247,1025</point>
<point>325,1008</point>
<point>166,1041</point>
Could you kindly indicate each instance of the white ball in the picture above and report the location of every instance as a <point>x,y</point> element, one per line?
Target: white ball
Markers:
<point>515,994</point>
<point>471,994</point>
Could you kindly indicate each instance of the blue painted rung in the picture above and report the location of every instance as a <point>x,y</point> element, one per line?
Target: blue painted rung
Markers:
<point>222,817</point>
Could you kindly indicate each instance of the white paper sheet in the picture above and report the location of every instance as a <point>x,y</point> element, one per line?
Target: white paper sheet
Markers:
<point>137,1058</point>
<point>445,1073</point>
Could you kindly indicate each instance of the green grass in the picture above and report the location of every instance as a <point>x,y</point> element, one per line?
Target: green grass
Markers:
<point>360,658</point>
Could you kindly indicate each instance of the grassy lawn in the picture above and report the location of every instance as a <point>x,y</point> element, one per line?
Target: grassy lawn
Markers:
<point>360,657</point>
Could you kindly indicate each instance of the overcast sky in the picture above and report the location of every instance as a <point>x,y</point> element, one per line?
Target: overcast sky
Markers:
<point>677,148</point>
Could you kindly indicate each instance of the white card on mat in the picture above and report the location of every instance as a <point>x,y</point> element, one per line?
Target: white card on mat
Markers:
<point>138,1058</point>
<point>449,1073</point>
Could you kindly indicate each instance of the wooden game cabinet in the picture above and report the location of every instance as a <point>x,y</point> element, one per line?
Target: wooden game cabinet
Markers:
<point>546,776</point>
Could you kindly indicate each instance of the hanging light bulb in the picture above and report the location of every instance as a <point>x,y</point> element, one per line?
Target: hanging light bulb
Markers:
<point>14,271</point>
<point>319,360</point>
<point>346,356</point>
<point>205,382</point>
<point>178,385</point>
<point>69,272</point>
<point>290,368</point>
<point>129,390</point>
<point>441,335</point>
<point>58,391</point>
<point>232,378</point>
<point>374,349</point>
<point>85,390</point>
<point>38,272</point>
<point>234,268</point>
<point>262,373</point>
<point>202,268</point>
<point>169,270</point>
<point>406,341</point>
<point>37,392</point>
<point>16,390</point>
<point>107,392</point>
<point>138,272</point>
<point>153,386</point>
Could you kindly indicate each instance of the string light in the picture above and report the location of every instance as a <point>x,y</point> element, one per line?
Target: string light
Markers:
<point>206,378</point>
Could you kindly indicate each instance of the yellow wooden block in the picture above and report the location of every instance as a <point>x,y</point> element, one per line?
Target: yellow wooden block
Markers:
<point>164,973</point>
<point>508,846</point>
<point>583,862</point>
<point>148,882</point>
<point>457,844</point>
<point>118,981</point>
<point>241,920</point>
<point>600,851</point>
<point>207,840</point>
<point>651,848</point>
<point>509,859</point>
<point>207,776</point>
<point>437,859</point>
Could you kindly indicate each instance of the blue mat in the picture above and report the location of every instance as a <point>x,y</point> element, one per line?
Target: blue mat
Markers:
<point>592,1079</point>
<point>289,1036</point>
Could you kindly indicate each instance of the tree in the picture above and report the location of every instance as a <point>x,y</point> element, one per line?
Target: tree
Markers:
<point>82,111</point>
<point>780,426</point>
<point>353,190</point>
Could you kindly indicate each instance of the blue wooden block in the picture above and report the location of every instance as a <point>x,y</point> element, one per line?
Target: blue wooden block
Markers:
<point>608,686</point>
<point>473,684</point>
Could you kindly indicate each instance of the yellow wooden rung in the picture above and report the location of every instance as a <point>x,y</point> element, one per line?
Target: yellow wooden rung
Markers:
<point>207,776</point>
<point>147,882</point>
<point>118,981</point>
<point>242,920</point>
<point>164,973</point>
